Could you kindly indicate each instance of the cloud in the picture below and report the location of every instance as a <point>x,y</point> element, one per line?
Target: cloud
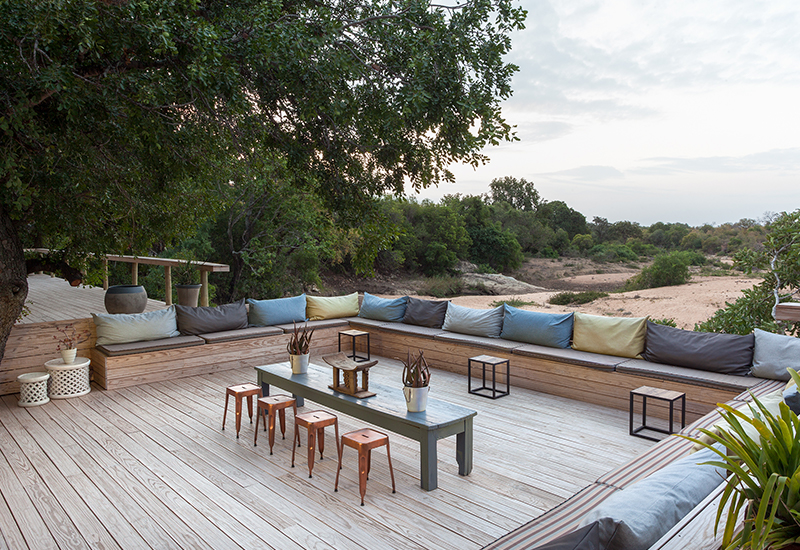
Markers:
<point>776,160</point>
<point>587,174</point>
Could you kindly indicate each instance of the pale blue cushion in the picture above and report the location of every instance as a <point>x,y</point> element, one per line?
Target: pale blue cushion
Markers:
<point>264,313</point>
<point>636,517</point>
<point>477,322</point>
<point>773,354</point>
<point>122,328</point>
<point>383,309</point>
<point>544,329</point>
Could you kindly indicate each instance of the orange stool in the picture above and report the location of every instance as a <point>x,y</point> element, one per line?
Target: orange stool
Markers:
<point>270,405</point>
<point>364,441</point>
<point>315,422</point>
<point>238,392</point>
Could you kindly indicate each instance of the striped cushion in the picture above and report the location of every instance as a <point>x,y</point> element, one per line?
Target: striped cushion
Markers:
<point>762,389</point>
<point>659,455</point>
<point>554,523</point>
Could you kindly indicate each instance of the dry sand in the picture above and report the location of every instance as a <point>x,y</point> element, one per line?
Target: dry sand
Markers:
<point>686,304</point>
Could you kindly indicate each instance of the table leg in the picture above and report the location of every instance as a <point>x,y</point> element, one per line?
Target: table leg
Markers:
<point>428,472</point>
<point>464,449</point>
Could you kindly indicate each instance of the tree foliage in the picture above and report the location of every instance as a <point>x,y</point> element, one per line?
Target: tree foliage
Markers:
<point>519,193</point>
<point>131,112</point>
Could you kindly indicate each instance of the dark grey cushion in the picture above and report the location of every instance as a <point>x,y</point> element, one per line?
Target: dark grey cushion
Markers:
<point>723,353</point>
<point>636,517</point>
<point>204,320</point>
<point>792,398</point>
<point>585,538</point>
<point>425,313</point>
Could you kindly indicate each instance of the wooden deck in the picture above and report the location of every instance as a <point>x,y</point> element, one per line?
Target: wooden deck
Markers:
<point>149,467</point>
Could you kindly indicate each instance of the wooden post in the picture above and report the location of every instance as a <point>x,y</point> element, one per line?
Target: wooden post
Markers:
<point>204,288</point>
<point>105,273</point>
<point>135,273</point>
<point>168,284</point>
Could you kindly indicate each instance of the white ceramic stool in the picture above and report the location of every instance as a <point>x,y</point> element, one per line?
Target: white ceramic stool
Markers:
<point>33,389</point>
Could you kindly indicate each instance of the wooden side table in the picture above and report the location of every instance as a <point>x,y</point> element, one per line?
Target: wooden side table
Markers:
<point>353,334</point>
<point>68,379</point>
<point>484,390</point>
<point>646,392</point>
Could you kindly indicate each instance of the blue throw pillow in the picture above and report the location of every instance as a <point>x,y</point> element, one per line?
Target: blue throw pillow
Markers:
<point>383,309</point>
<point>534,327</point>
<point>264,313</point>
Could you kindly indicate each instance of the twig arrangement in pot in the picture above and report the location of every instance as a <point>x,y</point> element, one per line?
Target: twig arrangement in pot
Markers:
<point>298,348</point>
<point>416,380</point>
<point>68,343</point>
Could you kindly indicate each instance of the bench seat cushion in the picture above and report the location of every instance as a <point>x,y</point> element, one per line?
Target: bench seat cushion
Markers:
<point>320,324</point>
<point>574,357</point>
<point>364,322</point>
<point>240,334</point>
<point>131,348</point>
<point>731,382</point>
<point>496,344</point>
<point>412,330</point>
<point>556,522</point>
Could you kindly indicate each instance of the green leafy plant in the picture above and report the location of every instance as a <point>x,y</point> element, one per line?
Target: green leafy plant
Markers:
<point>442,286</point>
<point>299,340</point>
<point>71,337</point>
<point>576,298</point>
<point>514,301</point>
<point>765,480</point>
<point>666,321</point>
<point>186,273</point>
<point>416,373</point>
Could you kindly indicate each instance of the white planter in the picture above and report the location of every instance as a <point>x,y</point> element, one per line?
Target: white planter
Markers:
<point>68,355</point>
<point>299,363</point>
<point>416,398</point>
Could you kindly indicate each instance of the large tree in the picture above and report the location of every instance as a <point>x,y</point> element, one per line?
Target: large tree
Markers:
<point>116,115</point>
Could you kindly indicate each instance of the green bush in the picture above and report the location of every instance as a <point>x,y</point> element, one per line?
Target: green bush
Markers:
<point>667,270</point>
<point>495,247</point>
<point>442,286</point>
<point>666,321</point>
<point>576,298</point>
<point>612,252</point>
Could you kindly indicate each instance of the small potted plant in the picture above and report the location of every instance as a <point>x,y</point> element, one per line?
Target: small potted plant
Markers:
<point>298,348</point>
<point>416,380</point>
<point>68,342</point>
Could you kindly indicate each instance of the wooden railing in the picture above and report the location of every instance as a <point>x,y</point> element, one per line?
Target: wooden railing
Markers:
<point>168,263</point>
<point>790,311</point>
<point>204,267</point>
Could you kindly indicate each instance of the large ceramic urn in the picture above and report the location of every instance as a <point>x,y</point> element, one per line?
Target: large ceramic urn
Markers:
<point>126,299</point>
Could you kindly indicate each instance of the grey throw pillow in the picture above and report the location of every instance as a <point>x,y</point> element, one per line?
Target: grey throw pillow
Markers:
<point>773,354</point>
<point>477,322</point>
<point>636,517</point>
<point>585,538</point>
<point>122,328</point>
<point>425,313</point>
<point>722,353</point>
<point>204,320</point>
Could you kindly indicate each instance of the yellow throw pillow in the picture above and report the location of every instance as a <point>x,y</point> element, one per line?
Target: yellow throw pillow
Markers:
<point>318,308</point>
<point>619,336</point>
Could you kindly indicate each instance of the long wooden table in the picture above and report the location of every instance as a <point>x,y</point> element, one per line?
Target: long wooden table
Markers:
<point>387,410</point>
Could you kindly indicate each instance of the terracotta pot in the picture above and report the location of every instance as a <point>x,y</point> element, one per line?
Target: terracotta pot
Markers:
<point>188,294</point>
<point>126,299</point>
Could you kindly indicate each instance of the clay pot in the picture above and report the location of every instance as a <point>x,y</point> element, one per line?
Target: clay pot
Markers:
<point>126,299</point>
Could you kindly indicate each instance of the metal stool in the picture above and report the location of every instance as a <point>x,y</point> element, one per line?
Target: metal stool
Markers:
<point>315,422</point>
<point>270,405</point>
<point>238,392</point>
<point>364,441</point>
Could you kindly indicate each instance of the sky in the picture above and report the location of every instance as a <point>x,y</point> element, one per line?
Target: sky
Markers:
<point>679,111</point>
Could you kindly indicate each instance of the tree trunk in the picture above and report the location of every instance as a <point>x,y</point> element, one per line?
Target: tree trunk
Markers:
<point>13,278</point>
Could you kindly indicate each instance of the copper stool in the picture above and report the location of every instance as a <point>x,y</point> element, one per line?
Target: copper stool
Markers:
<point>270,405</point>
<point>238,392</point>
<point>364,441</point>
<point>315,422</point>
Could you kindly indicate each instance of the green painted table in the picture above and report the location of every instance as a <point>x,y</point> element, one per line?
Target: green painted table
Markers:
<point>387,410</point>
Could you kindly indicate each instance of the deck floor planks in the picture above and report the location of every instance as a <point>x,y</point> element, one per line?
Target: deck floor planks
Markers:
<point>157,453</point>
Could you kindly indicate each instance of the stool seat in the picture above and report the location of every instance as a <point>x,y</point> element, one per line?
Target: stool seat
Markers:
<point>239,392</point>
<point>271,405</point>
<point>364,440</point>
<point>33,389</point>
<point>315,422</point>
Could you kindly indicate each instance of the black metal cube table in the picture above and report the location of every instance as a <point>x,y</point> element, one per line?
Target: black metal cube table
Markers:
<point>669,396</point>
<point>485,390</point>
<point>353,334</point>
